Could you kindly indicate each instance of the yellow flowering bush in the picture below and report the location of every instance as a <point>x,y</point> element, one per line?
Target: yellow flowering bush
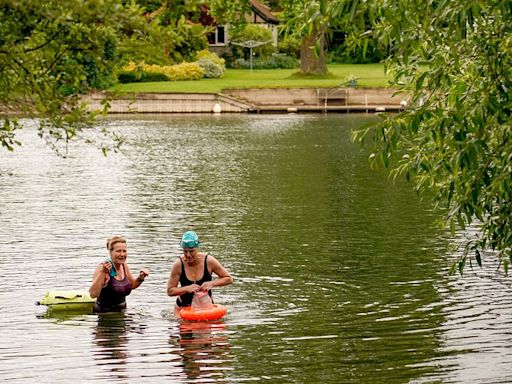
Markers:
<point>183,71</point>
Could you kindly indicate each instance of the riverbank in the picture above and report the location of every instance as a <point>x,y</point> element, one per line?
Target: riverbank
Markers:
<point>255,100</point>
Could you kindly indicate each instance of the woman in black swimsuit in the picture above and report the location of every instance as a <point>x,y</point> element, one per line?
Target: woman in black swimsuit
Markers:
<point>193,271</point>
<point>112,280</point>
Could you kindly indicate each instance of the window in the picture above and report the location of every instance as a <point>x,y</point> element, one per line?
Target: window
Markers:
<point>218,37</point>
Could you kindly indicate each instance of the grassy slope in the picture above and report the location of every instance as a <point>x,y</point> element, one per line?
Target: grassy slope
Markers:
<point>369,75</point>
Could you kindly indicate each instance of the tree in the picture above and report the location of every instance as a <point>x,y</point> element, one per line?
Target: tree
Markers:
<point>453,59</point>
<point>313,21</point>
<point>229,12</point>
<point>50,52</point>
<point>181,18</point>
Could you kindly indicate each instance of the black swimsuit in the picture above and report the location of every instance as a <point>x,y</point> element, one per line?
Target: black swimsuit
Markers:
<point>185,300</point>
<point>112,296</point>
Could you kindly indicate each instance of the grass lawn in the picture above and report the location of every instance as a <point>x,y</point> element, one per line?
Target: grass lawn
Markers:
<point>368,75</point>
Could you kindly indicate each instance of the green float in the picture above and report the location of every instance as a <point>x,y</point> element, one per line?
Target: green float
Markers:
<point>74,300</point>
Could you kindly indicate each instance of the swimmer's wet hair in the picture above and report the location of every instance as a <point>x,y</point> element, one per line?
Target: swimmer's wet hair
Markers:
<point>114,240</point>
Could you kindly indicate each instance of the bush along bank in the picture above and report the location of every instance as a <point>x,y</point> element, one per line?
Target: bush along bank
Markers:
<point>208,65</point>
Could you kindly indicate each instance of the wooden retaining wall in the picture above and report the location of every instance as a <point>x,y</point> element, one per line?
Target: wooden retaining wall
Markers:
<point>254,100</point>
<point>166,103</point>
<point>320,98</point>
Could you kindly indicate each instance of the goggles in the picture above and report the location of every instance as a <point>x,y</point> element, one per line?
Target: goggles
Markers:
<point>189,243</point>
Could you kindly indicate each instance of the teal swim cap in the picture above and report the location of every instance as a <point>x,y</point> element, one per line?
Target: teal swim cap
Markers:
<point>190,240</point>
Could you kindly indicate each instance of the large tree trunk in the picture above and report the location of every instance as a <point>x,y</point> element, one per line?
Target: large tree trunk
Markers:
<point>312,53</point>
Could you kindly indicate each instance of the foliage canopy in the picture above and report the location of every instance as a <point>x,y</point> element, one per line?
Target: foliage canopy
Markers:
<point>454,60</point>
<point>52,51</point>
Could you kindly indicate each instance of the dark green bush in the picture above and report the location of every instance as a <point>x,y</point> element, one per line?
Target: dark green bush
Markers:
<point>350,53</point>
<point>290,46</point>
<point>140,77</point>
<point>272,62</point>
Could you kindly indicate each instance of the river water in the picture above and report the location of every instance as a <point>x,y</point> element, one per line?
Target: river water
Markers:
<point>341,275</point>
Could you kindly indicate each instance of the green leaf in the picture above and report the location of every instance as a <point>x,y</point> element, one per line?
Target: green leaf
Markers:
<point>453,268</point>
<point>478,259</point>
<point>461,264</point>
<point>460,221</point>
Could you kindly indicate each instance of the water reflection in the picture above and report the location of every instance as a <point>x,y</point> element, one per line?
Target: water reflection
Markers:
<point>204,349</point>
<point>111,336</point>
<point>59,316</point>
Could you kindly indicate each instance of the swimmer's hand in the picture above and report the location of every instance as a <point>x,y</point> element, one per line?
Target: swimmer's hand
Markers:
<point>192,288</point>
<point>207,286</point>
<point>108,267</point>
<point>144,272</point>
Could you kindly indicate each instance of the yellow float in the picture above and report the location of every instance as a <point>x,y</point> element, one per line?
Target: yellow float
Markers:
<point>67,300</point>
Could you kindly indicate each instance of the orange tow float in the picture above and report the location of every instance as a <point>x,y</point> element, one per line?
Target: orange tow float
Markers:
<point>213,313</point>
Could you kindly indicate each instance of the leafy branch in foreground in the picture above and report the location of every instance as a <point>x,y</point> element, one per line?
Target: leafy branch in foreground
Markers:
<point>50,53</point>
<point>453,59</point>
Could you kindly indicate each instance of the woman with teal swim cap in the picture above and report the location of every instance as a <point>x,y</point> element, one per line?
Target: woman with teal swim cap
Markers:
<point>193,272</point>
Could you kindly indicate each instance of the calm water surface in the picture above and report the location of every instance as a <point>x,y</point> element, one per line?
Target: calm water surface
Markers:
<point>340,274</point>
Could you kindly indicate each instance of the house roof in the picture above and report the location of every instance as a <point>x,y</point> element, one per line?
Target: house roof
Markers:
<point>264,12</point>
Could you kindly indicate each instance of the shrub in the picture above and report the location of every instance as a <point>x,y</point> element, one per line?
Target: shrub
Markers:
<point>283,61</point>
<point>213,65</point>
<point>290,46</point>
<point>150,5</point>
<point>183,71</point>
<point>153,72</point>
<point>133,77</point>
<point>211,69</point>
<point>350,52</point>
<point>273,62</point>
<point>212,56</point>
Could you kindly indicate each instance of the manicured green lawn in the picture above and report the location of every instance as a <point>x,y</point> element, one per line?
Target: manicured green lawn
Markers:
<point>369,75</point>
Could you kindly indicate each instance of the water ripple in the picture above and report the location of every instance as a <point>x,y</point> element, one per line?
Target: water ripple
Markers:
<point>340,275</point>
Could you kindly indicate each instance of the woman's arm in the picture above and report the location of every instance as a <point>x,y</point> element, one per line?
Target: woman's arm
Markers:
<point>174,279</point>
<point>136,282</point>
<point>98,280</point>
<point>223,276</point>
